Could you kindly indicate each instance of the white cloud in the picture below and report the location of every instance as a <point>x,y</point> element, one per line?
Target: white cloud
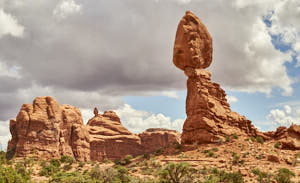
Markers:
<point>231,99</point>
<point>9,71</point>
<point>170,94</point>
<point>9,25</point>
<point>285,116</point>
<point>66,8</point>
<point>4,134</point>
<point>138,121</point>
<point>285,23</point>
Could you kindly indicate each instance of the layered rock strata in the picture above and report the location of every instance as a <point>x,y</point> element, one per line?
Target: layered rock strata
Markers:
<point>209,117</point>
<point>110,139</point>
<point>46,129</point>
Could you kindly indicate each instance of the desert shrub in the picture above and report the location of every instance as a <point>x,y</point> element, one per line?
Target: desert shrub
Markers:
<point>74,177</point>
<point>235,136</point>
<point>122,174</point>
<point>95,172</point>
<point>277,145</point>
<point>2,157</point>
<point>222,176</point>
<point>28,162</point>
<point>284,176</point>
<point>215,149</point>
<point>205,151</point>
<point>11,175</point>
<point>55,162</point>
<point>210,154</point>
<point>227,138</point>
<point>253,139</point>
<point>124,161</point>
<point>158,151</point>
<point>177,173</point>
<point>67,159</point>
<point>146,156</point>
<point>233,177</point>
<point>236,158</point>
<point>259,139</point>
<point>81,164</point>
<point>178,146</point>
<point>49,170</point>
<point>262,177</point>
<point>21,169</point>
<point>67,167</point>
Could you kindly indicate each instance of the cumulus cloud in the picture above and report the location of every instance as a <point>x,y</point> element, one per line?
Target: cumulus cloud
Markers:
<point>66,8</point>
<point>231,99</point>
<point>137,120</point>
<point>4,135</point>
<point>9,25</point>
<point>285,116</point>
<point>104,50</point>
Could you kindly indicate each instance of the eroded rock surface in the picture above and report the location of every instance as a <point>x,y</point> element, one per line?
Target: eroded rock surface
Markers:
<point>193,43</point>
<point>47,130</point>
<point>209,116</point>
<point>289,138</point>
<point>110,139</point>
<point>154,138</point>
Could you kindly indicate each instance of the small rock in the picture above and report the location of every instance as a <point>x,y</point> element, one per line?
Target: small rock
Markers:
<point>273,158</point>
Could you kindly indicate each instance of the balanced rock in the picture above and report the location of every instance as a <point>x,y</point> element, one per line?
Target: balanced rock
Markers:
<point>47,130</point>
<point>193,43</point>
<point>209,116</point>
<point>155,138</point>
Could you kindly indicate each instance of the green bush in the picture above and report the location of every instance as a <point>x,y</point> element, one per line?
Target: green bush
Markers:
<point>55,162</point>
<point>236,158</point>
<point>74,177</point>
<point>2,158</point>
<point>177,173</point>
<point>49,170</point>
<point>262,177</point>
<point>235,136</point>
<point>11,175</point>
<point>222,176</point>
<point>67,167</point>
<point>178,146</point>
<point>67,159</point>
<point>259,139</point>
<point>284,176</point>
<point>277,145</point>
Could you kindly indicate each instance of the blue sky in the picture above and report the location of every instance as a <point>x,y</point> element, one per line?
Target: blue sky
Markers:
<point>117,55</point>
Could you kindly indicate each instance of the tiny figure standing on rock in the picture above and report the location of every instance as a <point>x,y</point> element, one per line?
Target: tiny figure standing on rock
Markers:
<point>95,111</point>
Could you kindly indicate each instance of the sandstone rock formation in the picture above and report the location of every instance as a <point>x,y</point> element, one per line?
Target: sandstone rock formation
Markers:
<point>289,138</point>
<point>154,138</point>
<point>209,116</point>
<point>109,139</point>
<point>46,129</point>
<point>193,43</point>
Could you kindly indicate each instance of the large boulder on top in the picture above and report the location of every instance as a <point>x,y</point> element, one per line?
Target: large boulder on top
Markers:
<point>209,116</point>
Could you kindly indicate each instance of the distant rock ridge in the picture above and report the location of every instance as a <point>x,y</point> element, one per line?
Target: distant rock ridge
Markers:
<point>289,138</point>
<point>46,130</point>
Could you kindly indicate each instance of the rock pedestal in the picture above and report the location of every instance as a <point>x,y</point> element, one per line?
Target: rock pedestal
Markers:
<point>209,117</point>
